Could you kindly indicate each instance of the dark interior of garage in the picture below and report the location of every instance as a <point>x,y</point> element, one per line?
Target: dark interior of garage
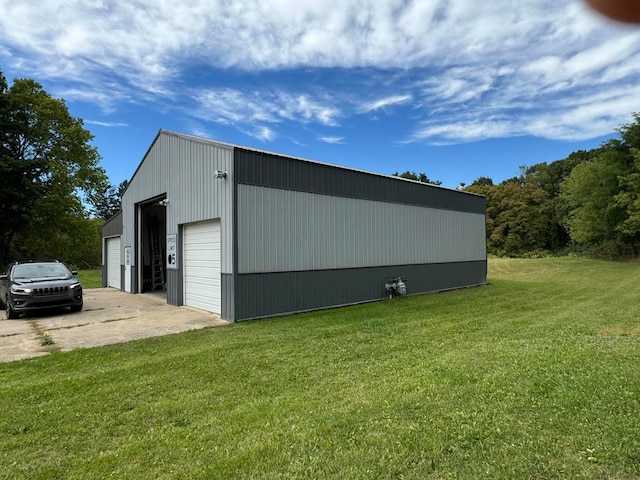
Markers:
<point>154,247</point>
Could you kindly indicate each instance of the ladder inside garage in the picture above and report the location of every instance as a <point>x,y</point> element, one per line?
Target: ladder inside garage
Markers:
<point>156,255</point>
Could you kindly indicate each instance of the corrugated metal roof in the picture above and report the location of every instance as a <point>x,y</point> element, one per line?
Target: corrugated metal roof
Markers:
<point>218,143</point>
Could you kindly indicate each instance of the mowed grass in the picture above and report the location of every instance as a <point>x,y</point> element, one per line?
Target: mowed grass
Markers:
<point>534,376</point>
<point>90,278</point>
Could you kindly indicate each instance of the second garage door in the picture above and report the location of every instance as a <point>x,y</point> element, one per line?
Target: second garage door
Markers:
<point>113,262</point>
<point>202,262</point>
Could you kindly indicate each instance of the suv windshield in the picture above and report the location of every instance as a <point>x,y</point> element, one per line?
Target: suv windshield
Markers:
<point>40,271</point>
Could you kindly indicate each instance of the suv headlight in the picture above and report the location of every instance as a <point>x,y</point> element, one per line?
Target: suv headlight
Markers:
<point>75,286</point>
<point>18,289</point>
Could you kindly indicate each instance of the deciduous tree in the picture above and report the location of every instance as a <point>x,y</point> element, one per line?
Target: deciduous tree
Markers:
<point>518,219</point>
<point>420,177</point>
<point>46,163</point>
<point>599,201</point>
<point>629,198</point>
<point>589,191</point>
<point>106,200</point>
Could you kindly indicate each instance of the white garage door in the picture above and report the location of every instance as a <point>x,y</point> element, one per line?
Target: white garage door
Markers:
<point>202,279</point>
<point>113,262</point>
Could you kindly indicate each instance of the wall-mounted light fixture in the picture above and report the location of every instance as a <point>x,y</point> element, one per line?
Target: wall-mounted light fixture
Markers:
<point>164,202</point>
<point>221,174</point>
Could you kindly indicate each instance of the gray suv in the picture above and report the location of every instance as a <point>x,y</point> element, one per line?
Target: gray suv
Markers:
<point>25,287</point>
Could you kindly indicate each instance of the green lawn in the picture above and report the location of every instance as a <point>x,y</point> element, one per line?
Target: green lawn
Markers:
<point>535,376</point>
<point>90,278</point>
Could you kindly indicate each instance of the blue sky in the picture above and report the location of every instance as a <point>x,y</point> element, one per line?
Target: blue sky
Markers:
<point>457,89</point>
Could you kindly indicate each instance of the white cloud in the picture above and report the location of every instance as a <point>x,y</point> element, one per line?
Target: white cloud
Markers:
<point>108,98</point>
<point>301,107</point>
<point>233,107</point>
<point>459,85</point>
<point>262,133</point>
<point>153,37</point>
<point>106,124</point>
<point>333,140</point>
<point>197,131</point>
<point>464,131</point>
<point>468,69</point>
<point>573,118</point>
<point>384,103</point>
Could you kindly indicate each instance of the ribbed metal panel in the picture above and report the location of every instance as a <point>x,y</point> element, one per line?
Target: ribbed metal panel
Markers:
<point>175,277</point>
<point>228,310</point>
<point>134,276</point>
<point>262,295</point>
<point>281,230</point>
<point>277,171</point>
<point>113,226</point>
<point>183,168</point>
<point>175,295</point>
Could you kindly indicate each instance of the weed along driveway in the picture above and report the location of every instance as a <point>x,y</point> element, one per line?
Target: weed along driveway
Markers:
<point>109,316</point>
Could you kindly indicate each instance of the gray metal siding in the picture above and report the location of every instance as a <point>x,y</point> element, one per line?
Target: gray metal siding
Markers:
<point>134,278</point>
<point>113,226</point>
<point>268,294</point>
<point>228,310</point>
<point>270,170</point>
<point>183,168</point>
<point>312,236</point>
<point>281,230</point>
<point>175,293</point>
<point>175,277</point>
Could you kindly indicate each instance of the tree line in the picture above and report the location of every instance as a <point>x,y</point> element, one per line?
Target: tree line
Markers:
<point>54,195</point>
<point>587,203</point>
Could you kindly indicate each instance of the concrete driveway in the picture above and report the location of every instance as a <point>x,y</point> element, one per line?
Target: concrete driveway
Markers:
<point>109,316</point>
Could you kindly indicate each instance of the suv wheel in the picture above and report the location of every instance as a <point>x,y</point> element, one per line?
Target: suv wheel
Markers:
<point>76,308</point>
<point>11,313</point>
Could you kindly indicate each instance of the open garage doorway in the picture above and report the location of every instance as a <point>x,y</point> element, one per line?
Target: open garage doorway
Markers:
<point>152,246</point>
